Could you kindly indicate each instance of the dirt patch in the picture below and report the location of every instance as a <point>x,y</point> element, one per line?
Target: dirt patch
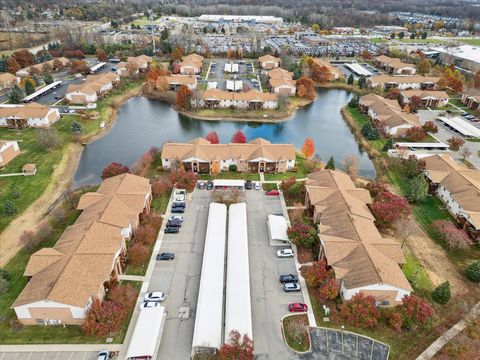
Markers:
<point>28,220</point>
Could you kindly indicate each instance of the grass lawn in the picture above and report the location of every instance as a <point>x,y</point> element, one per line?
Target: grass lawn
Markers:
<point>301,172</point>
<point>421,41</point>
<point>269,186</point>
<point>470,41</point>
<point>416,274</point>
<point>160,203</point>
<point>296,332</point>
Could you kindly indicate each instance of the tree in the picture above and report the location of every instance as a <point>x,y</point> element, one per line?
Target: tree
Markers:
<point>212,137</point>
<point>113,169</point>
<point>329,290</point>
<point>417,189</point>
<point>316,274</point>
<point>138,254</point>
<point>44,231</point>
<point>424,35</point>
<point>183,99</point>
<point>101,55</point>
<point>302,234</point>
<point>395,321</point>
<point>12,66</point>
<point>79,66</point>
<point>76,128</point>
<point>415,103</point>
<point>29,87</point>
<point>102,318</point>
<point>319,73</point>
<point>416,134</point>
<point>360,311</point>
<point>424,66</point>
<point>370,132</point>
<point>415,312</point>
<point>146,235</point>
<point>238,137</point>
<point>177,54</point>
<point>4,286</point>
<point>308,147</point>
<point>350,79</point>
<point>455,143</point>
<point>392,36</point>
<point>24,58</point>
<point>465,151</point>
<point>183,179</point>
<point>476,79</point>
<point>388,145</point>
<point>430,127</point>
<point>237,347</point>
<point>442,293</point>
<point>401,35</point>
<point>350,164</point>
<point>57,65</point>
<point>353,103</point>
<point>48,138</point>
<point>413,166</point>
<point>330,164</point>
<point>388,207</point>
<point>393,94</point>
<point>305,88</point>
<point>362,82</point>
<point>9,208</point>
<point>454,237</point>
<point>28,240</point>
<point>48,79</point>
<point>404,228</point>
<point>472,271</point>
<point>15,95</point>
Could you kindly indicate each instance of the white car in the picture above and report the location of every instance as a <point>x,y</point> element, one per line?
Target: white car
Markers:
<point>180,195</point>
<point>257,185</point>
<point>149,304</point>
<point>285,253</point>
<point>176,218</point>
<point>155,296</point>
<point>103,355</point>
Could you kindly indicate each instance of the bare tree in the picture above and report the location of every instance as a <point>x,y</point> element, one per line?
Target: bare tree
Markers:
<point>351,166</point>
<point>404,228</point>
<point>465,151</point>
<point>29,240</point>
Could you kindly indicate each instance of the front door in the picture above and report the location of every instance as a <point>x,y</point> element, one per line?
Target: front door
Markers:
<point>195,167</point>
<point>262,167</point>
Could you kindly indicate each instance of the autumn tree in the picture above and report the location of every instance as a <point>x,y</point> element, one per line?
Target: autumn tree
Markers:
<point>101,55</point>
<point>417,189</point>
<point>138,254</point>
<point>329,290</point>
<point>415,103</point>
<point>454,237</point>
<point>416,133</point>
<point>113,169</point>
<point>404,228</point>
<point>28,240</point>
<point>57,65</point>
<point>237,347</point>
<point>476,79</point>
<point>305,88</point>
<point>430,127</point>
<point>12,66</point>
<point>238,137</point>
<point>24,58</point>
<point>455,143</point>
<point>102,318</point>
<point>177,54</point>
<point>303,234</point>
<point>308,147</point>
<point>388,207</point>
<point>183,100</point>
<point>393,94</point>
<point>183,179</point>
<point>465,151</point>
<point>360,311</point>
<point>319,73</point>
<point>212,137</point>
<point>316,274</point>
<point>79,66</point>
<point>416,312</point>
<point>424,66</point>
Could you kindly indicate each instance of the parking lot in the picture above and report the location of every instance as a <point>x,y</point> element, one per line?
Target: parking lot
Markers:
<point>50,355</point>
<point>269,301</point>
<point>245,71</point>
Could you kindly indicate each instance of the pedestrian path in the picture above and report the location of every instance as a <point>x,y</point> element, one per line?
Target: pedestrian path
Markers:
<point>124,277</point>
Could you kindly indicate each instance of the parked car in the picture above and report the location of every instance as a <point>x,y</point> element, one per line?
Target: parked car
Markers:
<point>165,256</point>
<point>174,223</point>
<point>176,218</point>
<point>172,230</point>
<point>178,204</point>
<point>201,185</point>
<point>288,278</point>
<point>285,253</point>
<point>288,287</point>
<point>209,185</point>
<point>178,209</point>
<point>248,185</point>
<point>149,304</point>
<point>103,355</point>
<point>273,192</point>
<point>157,296</point>
<point>257,185</point>
<point>297,307</point>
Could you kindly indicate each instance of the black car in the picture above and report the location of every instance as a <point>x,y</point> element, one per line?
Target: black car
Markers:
<point>288,278</point>
<point>201,185</point>
<point>174,223</point>
<point>248,185</point>
<point>172,230</point>
<point>178,210</point>
<point>166,256</point>
<point>178,204</point>
<point>209,185</point>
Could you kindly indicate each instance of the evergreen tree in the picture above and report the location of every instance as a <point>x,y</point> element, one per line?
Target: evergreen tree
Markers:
<point>370,133</point>
<point>37,80</point>
<point>29,88</point>
<point>48,79</point>
<point>388,145</point>
<point>331,163</point>
<point>350,80</point>
<point>353,103</point>
<point>9,208</point>
<point>362,82</point>
<point>424,35</point>
<point>15,95</point>
<point>442,293</point>
<point>77,128</point>
<point>472,272</point>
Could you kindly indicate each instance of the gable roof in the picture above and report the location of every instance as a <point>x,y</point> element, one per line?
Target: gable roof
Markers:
<point>268,58</point>
<point>27,111</point>
<point>388,111</point>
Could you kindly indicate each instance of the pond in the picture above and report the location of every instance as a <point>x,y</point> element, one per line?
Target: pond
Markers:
<point>142,123</point>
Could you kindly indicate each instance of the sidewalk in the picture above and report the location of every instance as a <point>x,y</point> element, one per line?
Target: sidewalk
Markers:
<point>60,347</point>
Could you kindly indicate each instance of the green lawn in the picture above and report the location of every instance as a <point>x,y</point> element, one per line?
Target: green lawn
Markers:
<point>416,274</point>
<point>160,203</point>
<point>469,41</point>
<point>300,343</point>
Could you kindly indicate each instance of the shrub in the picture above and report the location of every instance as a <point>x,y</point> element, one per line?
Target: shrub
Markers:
<point>44,231</point>
<point>232,168</point>
<point>5,275</point>
<point>376,188</point>
<point>388,145</point>
<point>9,208</point>
<point>329,290</point>
<point>430,127</point>
<point>370,133</point>
<point>183,179</point>
<point>360,311</point>
<point>146,235</point>
<point>303,234</point>
<point>454,237</point>
<point>395,321</point>
<point>388,207</point>
<point>113,169</point>
<point>102,318</point>
<point>315,274</point>
<point>416,133</point>
<point>76,128</point>
<point>442,293</point>
<point>287,184</point>
<point>417,189</point>
<point>4,287</point>
<point>138,254</point>
<point>472,271</point>
<point>237,347</point>
<point>455,143</point>
<point>29,240</point>
<point>416,312</point>
<point>295,189</point>
<point>160,187</point>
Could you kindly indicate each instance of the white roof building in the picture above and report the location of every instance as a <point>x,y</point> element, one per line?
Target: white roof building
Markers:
<point>461,126</point>
<point>228,183</point>
<point>234,85</point>
<point>277,228</point>
<point>231,68</point>
<point>238,307</point>
<point>358,69</point>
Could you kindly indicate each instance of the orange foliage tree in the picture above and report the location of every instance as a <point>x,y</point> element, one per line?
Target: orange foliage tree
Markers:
<point>237,347</point>
<point>305,88</point>
<point>183,97</point>
<point>177,54</point>
<point>319,73</point>
<point>308,148</point>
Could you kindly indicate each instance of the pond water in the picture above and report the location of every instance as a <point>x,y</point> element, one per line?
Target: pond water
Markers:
<point>142,123</point>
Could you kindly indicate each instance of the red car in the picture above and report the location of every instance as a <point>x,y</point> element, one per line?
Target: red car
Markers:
<point>297,307</point>
<point>273,192</point>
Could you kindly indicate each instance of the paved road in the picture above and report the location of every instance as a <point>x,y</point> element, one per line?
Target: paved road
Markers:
<point>184,273</point>
<point>269,301</point>
<point>50,355</point>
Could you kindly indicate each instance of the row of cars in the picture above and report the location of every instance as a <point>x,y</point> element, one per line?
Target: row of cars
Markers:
<point>290,282</point>
<point>174,222</point>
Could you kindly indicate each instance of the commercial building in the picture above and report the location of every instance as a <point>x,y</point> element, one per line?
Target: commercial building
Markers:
<point>93,87</point>
<point>256,156</point>
<point>191,64</point>
<point>281,82</point>
<point>207,333</point>
<point>458,188</point>
<point>249,19</point>
<point>252,100</point>
<point>466,57</point>
<point>65,279</point>
<point>362,260</point>
<point>387,82</point>
<point>387,114</point>
<point>430,98</point>
<point>28,115</point>
<point>394,66</point>
<point>9,150</point>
